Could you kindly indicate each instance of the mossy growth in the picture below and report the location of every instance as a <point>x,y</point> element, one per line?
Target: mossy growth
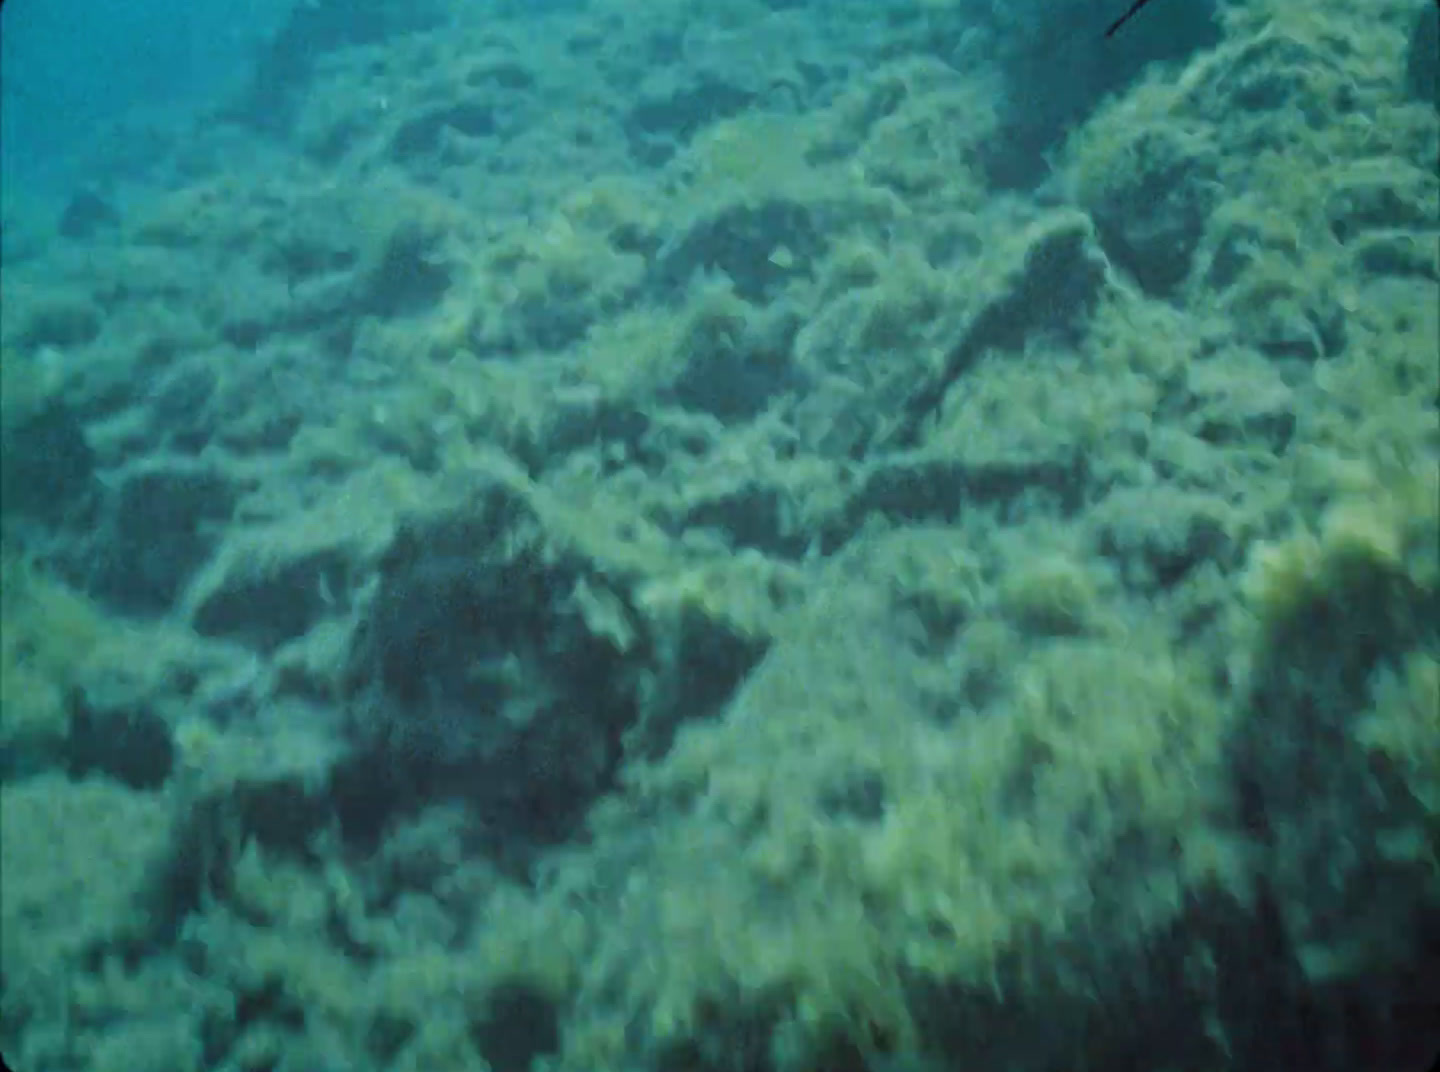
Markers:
<point>1401,733</point>
<point>1341,743</point>
<point>1045,828</point>
<point>27,387</point>
<point>1052,594</point>
<point>47,634</point>
<point>1373,565</point>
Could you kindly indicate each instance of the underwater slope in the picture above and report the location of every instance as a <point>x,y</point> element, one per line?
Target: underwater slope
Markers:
<point>639,540</point>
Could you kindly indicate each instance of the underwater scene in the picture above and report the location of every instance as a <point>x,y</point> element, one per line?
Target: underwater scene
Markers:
<point>728,536</point>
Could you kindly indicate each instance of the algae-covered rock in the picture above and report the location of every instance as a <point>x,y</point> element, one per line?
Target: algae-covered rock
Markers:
<point>47,468</point>
<point>1340,749</point>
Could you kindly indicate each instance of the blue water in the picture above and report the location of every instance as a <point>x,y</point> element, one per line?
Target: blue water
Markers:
<point>83,82</point>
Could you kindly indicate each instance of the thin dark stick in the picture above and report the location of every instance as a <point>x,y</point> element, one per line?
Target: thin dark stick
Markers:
<point>1123,19</point>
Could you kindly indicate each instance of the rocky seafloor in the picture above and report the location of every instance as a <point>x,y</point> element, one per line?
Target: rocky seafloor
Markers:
<point>745,537</point>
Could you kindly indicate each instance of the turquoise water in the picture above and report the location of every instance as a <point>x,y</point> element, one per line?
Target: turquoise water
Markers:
<point>82,81</point>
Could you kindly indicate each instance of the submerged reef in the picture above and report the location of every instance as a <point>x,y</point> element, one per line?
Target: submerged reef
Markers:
<point>785,537</point>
